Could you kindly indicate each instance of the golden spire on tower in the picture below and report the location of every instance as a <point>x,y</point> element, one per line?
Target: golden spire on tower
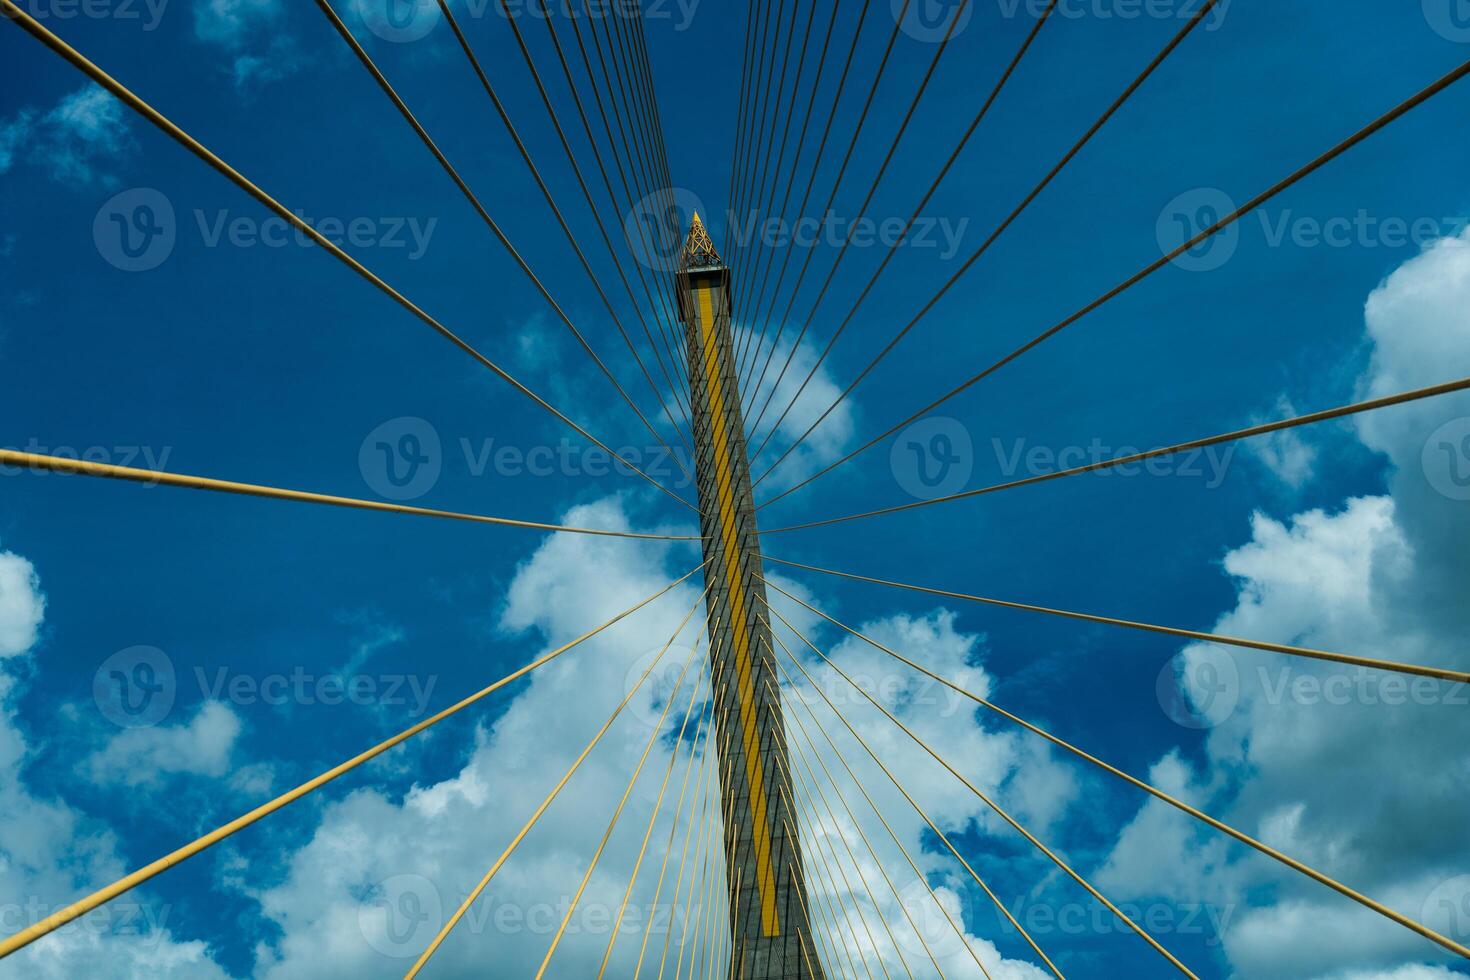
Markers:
<point>699,252</point>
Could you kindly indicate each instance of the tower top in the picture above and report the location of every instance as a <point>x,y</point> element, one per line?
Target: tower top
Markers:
<point>699,251</point>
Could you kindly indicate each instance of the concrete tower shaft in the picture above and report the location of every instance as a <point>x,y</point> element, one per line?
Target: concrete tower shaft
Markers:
<point>767,890</point>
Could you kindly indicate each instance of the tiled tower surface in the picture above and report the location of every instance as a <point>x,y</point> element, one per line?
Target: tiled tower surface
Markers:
<point>767,889</point>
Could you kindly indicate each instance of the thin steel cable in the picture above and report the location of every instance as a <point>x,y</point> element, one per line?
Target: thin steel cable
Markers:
<point>847,239</point>
<point>812,177</point>
<point>500,236</point>
<point>823,904</point>
<point>740,104</point>
<point>555,791</point>
<point>81,467</point>
<point>756,124</point>
<point>996,807</point>
<point>985,107</point>
<point>654,305</point>
<point>943,837</point>
<point>829,899</point>
<point>642,68</point>
<point>70,54</point>
<point>639,128</point>
<point>1158,794</point>
<point>641,114</point>
<point>1077,147</point>
<point>1275,190</point>
<point>807,785</point>
<point>814,790</point>
<point>663,288</point>
<point>103,895</point>
<point>837,182</point>
<point>653,816</point>
<point>1438,673</point>
<point>705,797</point>
<point>556,211</point>
<point>765,186</point>
<point>1342,411</point>
<point>698,906</point>
<point>838,894</point>
<point>877,861</point>
<point>790,182</point>
<point>702,731</point>
<point>629,141</point>
<point>822,937</point>
<point>623,801</point>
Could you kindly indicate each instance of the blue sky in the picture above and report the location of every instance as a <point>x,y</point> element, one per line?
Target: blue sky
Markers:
<point>237,359</point>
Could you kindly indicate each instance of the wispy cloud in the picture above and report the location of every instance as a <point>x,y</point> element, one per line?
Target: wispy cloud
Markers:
<point>72,141</point>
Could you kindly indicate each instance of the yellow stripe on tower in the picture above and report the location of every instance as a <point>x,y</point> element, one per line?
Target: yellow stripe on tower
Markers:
<point>744,680</point>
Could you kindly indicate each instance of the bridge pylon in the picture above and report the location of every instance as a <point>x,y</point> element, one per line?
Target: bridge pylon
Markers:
<point>765,881</point>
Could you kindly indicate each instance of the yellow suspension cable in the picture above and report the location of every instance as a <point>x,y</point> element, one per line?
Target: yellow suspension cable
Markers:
<point>824,905</point>
<point>943,837</point>
<point>367,62</point>
<point>500,109</point>
<point>41,33</point>
<point>29,935</point>
<point>999,810</point>
<point>623,802</point>
<point>705,731</point>
<point>712,760</point>
<point>82,467</point>
<point>1438,673</point>
<point>653,817</point>
<point>545,804</point>
<point>698,892</point>
<point>698,841</point>
<point>877,861</point>
<point>1265,428</point>
<point>805,911</point>
<point>1154,791</point>
<point>810,780</point>
<point>841,897</point>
